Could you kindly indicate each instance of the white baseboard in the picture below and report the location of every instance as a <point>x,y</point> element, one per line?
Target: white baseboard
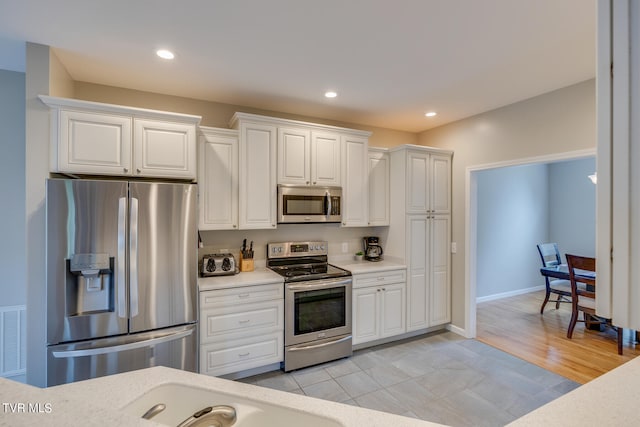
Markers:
<point>509,294</point>
<point>13,341</point>
<point>457,330</point>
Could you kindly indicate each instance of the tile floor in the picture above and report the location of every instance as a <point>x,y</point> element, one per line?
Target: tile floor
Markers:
<point>440,377</point>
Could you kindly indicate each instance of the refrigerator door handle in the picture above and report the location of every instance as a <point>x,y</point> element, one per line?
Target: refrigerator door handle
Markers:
<point>133,260</point>
<point>121,270</point>
<point>122,347</point>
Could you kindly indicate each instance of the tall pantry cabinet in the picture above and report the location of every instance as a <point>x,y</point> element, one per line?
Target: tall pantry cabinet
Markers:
<point>420,231</point>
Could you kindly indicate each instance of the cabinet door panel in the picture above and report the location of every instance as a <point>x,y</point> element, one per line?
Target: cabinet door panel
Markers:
<point>440,289</point>
<point>417,188</point>
<point>365,315</point>
<point>440,184</point>
<point>355,186</point>
<point>258,198</point>
<point>378,189</point>
<point>164,149</point>
<point>325,159</point>
<point>418,284</point>
<point>294,151</point>
<point>94,143</point>
<point>393,310</point>
<point>218,182</point>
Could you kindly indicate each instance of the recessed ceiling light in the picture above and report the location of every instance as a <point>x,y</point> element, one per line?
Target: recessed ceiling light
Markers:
<point>330,94</point>
<point>430,114</point>
<point>165,54</point>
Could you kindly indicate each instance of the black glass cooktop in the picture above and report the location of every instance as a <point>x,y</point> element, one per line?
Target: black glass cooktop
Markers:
<point>300,272</point>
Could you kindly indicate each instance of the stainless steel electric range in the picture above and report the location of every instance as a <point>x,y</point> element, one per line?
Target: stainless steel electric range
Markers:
<point>317,303</point>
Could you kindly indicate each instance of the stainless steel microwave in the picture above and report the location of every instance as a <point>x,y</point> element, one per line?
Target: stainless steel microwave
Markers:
<point>309,204</point>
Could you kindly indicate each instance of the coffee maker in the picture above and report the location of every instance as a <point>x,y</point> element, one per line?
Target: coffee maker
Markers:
<point>372,249</point>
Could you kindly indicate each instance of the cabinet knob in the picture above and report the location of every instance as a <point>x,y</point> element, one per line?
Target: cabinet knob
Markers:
<point>307,182</point>
<point>126,170</point>
<point>314,183</point>
<point>138,170</point>
<point>235,226</point>
<point>273,225</point>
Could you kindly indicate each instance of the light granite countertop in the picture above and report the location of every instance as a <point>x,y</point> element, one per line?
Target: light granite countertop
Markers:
<point>610,399</point>
<point>363,267</point>
<point>259,276</point>
<point>99,402</point>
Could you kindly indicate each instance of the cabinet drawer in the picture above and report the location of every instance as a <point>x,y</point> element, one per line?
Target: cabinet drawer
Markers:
<point>380,278</point>
<point>241,296</point>
<point>239,355</point>
<point>219,323</point>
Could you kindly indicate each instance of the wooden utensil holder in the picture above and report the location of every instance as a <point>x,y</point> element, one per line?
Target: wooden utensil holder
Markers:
<point>246,264</point>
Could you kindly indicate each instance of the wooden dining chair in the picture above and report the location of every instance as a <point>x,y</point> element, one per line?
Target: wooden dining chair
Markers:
<point>550,257</point>
<point>583,270</point>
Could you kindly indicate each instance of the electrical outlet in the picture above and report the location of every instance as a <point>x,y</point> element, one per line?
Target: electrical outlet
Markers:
<point>454,247</point>
<point>345,247</point>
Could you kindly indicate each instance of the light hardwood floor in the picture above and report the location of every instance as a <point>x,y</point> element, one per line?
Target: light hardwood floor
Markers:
<point>515,326</point>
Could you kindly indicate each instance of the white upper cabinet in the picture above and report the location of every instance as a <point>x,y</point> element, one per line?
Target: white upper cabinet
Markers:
<point>325,159</point>
<point>417,182</point>
<point>428,182</point>
<point>218,179</point>
<point>307,157</point>
<point>257,203</point>
<point>440,189</point>
<point>294,156</point>
<point>92,143</point>
<point>378,186</point>
<point>164,149</point>
<point>104,139</point>
<point>355,185</point>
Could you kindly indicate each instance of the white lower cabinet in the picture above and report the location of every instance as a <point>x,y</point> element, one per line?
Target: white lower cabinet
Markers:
<point>379,305</point>
<point>241,328</point>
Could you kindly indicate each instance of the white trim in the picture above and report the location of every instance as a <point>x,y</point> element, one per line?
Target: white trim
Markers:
<point>20,312</point>
<point>509,294</point>
<point>471,215</point>
<point>457,330</point>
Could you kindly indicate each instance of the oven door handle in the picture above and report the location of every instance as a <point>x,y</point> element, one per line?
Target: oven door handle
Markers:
<point>318,284</point>
<point>324,344</point>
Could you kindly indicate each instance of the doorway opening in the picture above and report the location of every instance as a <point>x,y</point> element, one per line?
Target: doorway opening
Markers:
<point>473,177</point>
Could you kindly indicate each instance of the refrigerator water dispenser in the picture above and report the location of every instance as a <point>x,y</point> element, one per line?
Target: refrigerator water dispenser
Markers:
<point>89,284</point>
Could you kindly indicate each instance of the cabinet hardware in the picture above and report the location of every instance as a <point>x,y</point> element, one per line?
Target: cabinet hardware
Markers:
<point>243,354</point>
<point>126,170</point>
<point>244,295</point>
<point>138,170</point>
<point>244,321</point>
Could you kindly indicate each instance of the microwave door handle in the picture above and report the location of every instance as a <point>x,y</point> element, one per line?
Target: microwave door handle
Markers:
<point>328,204</point>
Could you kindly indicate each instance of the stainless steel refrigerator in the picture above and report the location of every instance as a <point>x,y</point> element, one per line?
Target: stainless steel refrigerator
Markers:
<point>121,277</point>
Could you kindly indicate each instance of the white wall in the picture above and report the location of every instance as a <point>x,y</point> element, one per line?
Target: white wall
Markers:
<point>12,188</point>
<point>572,207</point>
<point>512,218</point>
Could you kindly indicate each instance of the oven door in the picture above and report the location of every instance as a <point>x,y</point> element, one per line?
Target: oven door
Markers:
<point>317,309</point>
<point>309,204</point>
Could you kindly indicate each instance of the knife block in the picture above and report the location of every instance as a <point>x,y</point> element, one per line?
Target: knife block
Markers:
<point>246,264</point>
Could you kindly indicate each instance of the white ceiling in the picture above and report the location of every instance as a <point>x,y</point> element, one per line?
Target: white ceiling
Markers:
<point>389,60</point>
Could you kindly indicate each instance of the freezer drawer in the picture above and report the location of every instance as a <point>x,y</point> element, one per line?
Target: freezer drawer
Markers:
<point>172,347</point>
